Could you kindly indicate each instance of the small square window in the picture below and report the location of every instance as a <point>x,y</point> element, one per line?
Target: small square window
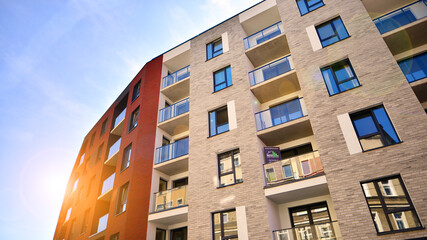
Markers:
<point>214,49</point>
<point>104,126</point>
<point>339,77</point>
<point>134,119</point>
<point>332,31</point>
<point>218,121</point>
<point>179,202</point>
<point>136,90</point>
<point>122,198</point>
<point>390,206</point>
<point>224,225</point>
<point>222,78</point>
<point>230,169</point>
<point>126,157</point>
<point>306,6</point>
<point>374,129</point>
<point>414,68</point>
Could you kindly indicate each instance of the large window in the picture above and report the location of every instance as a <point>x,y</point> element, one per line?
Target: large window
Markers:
<point>306,6</point>
<point>218,121</point>
<point>414,68</point>
<point>222,78</point>
<point>230,169</point>
<point>126,157</point>
<point>122,198</point>
<point>214,49</point>
<point>136,90</point>
<point>339,77</point>
<point>390,206</point>
<point>331,31</point>
<point>134,119</point>
<point>374,129</point>
<point>224,225</point>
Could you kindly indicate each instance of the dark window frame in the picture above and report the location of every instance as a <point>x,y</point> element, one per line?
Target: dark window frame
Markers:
<point>334,67</point>
<point>371,113</point>
<point>104,126</point>
<point>216,117</point>
<point>384,206</point>
<point>210,49</point>
<point>221,219</point>
<point>224,70</point>
<point>233,167</point>
<point>136,91</point>
<point>127,153</point>
<point>331,22</point>
<point>405,67</point>
<point>119,204</point>
<point>309,6</point>
<point>308,207</point>
<point>131,118</point>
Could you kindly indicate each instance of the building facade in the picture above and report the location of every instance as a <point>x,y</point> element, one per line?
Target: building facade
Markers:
<point>295,119</point>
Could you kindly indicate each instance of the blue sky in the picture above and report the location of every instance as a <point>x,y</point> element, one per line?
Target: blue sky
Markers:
<point>62,64</point>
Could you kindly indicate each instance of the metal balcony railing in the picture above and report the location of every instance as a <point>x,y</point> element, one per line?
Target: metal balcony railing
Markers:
<point>119,118</point>
<point>402,16</point>
<point>263,35</point>
<point>171,151</point>
<point>174,110</point>
<point>115,148</point>
<point>108,184</point>
<point>282,113</point>
<point>171,198</point>
<point>294,168</point>
<point>271,70</point>
<point>176,76</point>
<point>102,223</point>
<point>320,231</point>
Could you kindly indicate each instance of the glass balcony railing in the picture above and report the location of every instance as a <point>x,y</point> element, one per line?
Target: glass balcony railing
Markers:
<point>102,223</point>
<point>115,148</point>
<point>174,110</point>
<point>320,231</point>
<point>171,198</point>
<point>271,70</point>
<point>119,118</point>
<point>108,184</point>
<point>290,169</point>
<point>176,76</point>
<point>282,113</point>
<point>402,16</point>
<point>171,151</point>
<point>263,35</point>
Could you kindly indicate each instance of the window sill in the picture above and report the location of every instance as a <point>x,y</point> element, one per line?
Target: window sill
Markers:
<point>229,185</point>
<point>120,213</point>
<point>345,90</point>
<point>381,147</point>
<point>400,231</point>
<point>134,99</point>
<point>218,134</point>
<point>125,168</point>
<point>130,130</point>
<point>323,47</point>
<point>222,89</point>
<point>214,57</point>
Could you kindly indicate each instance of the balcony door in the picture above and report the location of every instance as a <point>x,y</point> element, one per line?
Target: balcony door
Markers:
<point>312,222</point>
<point>179,234</point>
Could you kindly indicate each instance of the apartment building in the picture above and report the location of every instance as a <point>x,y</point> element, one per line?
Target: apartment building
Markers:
<point>294,119</point>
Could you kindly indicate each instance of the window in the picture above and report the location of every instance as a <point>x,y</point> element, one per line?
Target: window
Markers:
<point>214,49</point>
<point>331,31</point>
<point>414,68</point>
<point>68,214</point>
<point>85,222</point>
<point>312,221</point>
<point>136,90</point>
<point>339,77</point>
<point>160,234</point>
<point>230,169</point>
<point>218,121</point>
<point>92,140</point>
<point>179,234</point>
<point>104,126</point>
<point>134,119</point>
<point>76,183</point>
<point>390,206</point>
<point>114,237</point>
<point>296,151</point>
<point>374,129</point>
<point>225,225</point>
<point>92,180</point>
<point>222,79</point>
<point>306,6</point>
<point>122,198</point>
<point>99,152</point>
<point>271,174</point>
<point>126,157</point>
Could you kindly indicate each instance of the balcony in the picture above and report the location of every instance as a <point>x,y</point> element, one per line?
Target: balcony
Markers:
<point>82,159</point>
<point>266,45</point>
<point>170,206</point>
<point>319,231</point>
<point>172,159</point>
<point>107,188</point>
<point>174,119</point>
<point>405,28</point>
<point>118,123</point>
<point>113,153</point>
<point>177,85</point>
<point>293,169</point>
<point>274,80</point>
<point>102,225</point>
